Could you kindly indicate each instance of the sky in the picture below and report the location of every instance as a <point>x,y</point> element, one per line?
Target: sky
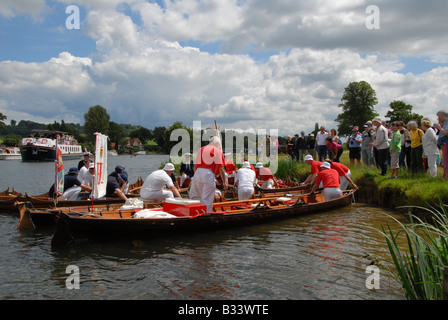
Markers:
<point>248,64</point>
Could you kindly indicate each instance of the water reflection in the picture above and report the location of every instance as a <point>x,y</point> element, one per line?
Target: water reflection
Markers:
<point>320,256</point>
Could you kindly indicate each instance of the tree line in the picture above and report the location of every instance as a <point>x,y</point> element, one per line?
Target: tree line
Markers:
<point>358,106</point>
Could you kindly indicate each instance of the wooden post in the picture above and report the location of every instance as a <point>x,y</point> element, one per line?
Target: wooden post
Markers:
<point>445,284</point>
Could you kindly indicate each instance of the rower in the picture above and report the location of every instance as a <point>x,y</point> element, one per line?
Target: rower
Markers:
<point>72,186</point>
<point>159,185</point>
<point>265,175</point>
<point>315,169</point>
<point>245,181</point>
<point>330,180</point>
<point>344,174</point>
<point>117,182</point>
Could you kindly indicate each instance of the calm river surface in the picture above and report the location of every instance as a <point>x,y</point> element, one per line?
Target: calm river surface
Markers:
<point>314,257</point>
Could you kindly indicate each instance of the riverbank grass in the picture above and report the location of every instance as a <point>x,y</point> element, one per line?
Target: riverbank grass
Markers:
<point>408,190</point>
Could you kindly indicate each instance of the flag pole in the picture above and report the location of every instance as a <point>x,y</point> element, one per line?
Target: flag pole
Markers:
<point>56,182</point>
<point>94,176</point>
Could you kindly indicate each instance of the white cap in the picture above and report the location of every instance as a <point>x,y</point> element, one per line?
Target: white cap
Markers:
<point>258,165</point>
<point>246,164</point>
<point>325,165</point>
<point>308,157</point>
<point>215,141</point>
<point>377,119</point>
<point>91,165</point>
<point>168,167</point>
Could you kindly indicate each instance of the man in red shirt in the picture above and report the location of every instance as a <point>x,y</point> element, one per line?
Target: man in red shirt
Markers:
<point>344,174</point>
<point>209,163</point>
<point>265,175</point>
<point>315,169</point>
<point>330,180</point>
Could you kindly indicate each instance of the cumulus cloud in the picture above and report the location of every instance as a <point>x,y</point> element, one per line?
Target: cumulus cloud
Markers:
<point>142,73</point>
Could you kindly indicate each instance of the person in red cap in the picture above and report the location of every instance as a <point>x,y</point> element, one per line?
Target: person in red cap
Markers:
<point>354,145</point>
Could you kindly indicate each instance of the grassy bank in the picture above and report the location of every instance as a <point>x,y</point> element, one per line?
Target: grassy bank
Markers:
<point>408,190</point>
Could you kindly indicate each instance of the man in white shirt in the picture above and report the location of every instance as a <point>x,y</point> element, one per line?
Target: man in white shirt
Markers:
<point>83,170</point>
<point>159,186</point>
<point>381,143</point>
<point>245,181</point>
<point>321,143</point>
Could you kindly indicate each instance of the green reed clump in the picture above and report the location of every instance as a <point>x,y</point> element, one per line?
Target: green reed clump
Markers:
<point>420,270</point>
<point>292,169</point>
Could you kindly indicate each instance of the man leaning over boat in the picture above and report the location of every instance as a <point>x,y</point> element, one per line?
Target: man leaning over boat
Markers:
<point>159,185</point>
<point>72,186</point>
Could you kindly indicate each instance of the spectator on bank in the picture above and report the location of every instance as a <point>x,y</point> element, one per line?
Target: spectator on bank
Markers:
<point>302,146</point>
<point>334,150</point>
<point>354,146</point>
<point>442,126</point>
<point>430,149</point>
<point>381,144</point>
<point>366,148</point>
<point>395,149</point>
<point>321,143</point>
<point>416,135</point>
<point>290,146</point>
<point>404,159</point>
<point>312,145</point>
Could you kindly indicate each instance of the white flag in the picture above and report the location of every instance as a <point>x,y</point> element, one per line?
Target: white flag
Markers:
<point>100,166</point>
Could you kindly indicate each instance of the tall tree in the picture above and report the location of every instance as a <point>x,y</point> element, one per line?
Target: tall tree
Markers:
<point>96,120</point>
<point>402,112</point>
<point>2,117</point>
<point>358,102</point>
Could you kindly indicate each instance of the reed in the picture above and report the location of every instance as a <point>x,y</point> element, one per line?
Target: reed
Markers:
<point>420,269</point>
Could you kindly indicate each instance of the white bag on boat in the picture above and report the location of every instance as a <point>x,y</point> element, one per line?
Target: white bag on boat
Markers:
<point>132,203</point>
<point>152,214</point>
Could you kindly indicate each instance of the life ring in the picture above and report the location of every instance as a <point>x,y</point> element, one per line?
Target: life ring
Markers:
<point>28,140</point>
<point>44,140</point>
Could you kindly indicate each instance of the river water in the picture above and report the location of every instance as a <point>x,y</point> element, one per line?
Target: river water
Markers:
<point>316,257</point>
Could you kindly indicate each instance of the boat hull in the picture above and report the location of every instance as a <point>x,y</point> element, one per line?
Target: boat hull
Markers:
<point>42,153</point>
<point>73,227</point>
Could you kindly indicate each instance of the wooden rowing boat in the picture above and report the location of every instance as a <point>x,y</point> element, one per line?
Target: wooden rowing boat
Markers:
<point>123,224</point>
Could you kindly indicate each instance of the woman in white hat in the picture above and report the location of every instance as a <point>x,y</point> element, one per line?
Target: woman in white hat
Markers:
<point>245,181</point>
<point>330,180</point>
<point>265,175</point>
<point>159,186</point>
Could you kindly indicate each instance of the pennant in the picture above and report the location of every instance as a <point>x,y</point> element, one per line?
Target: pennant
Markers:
<point>100,166</point>
<point>59,172</point>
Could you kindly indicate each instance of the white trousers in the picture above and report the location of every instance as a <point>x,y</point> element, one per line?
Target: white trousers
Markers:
<point>331,193</point>
<point>158,195</point>
<point>344,181</point>
<point>245,193</point>
<point>203,187</point>
<point>71,193</point>
<point>268,184</point>
<point>432,165</point>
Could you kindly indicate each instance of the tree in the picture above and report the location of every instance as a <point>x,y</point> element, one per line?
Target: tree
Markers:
<point>96,120</point>
<point>402,112</point>
<point>358,103</point>
<point>2,117</point>
<point>143,134</point>
<point>116,133</point>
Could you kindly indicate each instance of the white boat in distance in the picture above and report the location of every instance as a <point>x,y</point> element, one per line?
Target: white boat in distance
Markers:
<point>41,146</point>
<point>10,153</point>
